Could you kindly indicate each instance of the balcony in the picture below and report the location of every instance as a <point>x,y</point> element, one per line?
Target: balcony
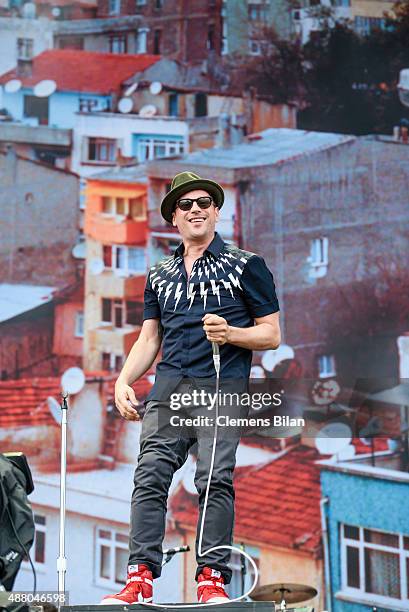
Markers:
<point>112,285</point>
<point>116,229</point>
<point>107,338</point>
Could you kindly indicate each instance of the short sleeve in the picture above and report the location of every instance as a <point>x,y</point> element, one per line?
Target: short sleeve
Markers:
<point>259,288</point>
<point>151,308</point>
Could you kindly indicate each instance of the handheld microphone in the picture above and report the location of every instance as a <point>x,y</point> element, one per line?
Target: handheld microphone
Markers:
<point>216,357</point>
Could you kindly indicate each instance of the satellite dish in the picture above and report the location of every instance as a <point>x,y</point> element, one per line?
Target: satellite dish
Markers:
<point>270,359</point>
<point>55,409</point>
<point>149,110</point>
<point>79,250</point>
<point>333,438</point>
<point>131,89</point>
<point>56,11</point>
<point>12,86</point>
<point>257,372</point>
<point>72,381</point>
<point>125,105</point>
<point>324,392</point>
<point>348,452</point>
<point>29,10</point>
<point>45,88</point>
<point>96,266</point>
<point>155,88</point>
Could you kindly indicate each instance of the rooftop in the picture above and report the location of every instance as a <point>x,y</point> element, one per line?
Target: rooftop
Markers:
<point>82,71</point>
<point>135,173</point>
<point>18,299</point>
<point>270,147</point>
<point>23,402</point>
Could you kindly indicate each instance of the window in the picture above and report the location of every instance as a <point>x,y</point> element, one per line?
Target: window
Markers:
<point>234,589</point>
<point>376,564</point>
<point>107,255</point>
<point>173,101</point>
<point>326,366</point>
<point>87,105</point>
<point>36,107</point>
<point>140,2</point>
<point>158,4</point>
<point>125,260</point>
<point>210,37</point>
<point>142,40</point>
<point>200,105</point>
<point>79,324</point>
<point>25,48</point>
<point>157,35</point>
<point>153,148</point>
<point>225,48</point>
<point>124,207</point>
<point>117,43</point>
<point>257,11</point>
<point>129,260</point>
<point>37,551</point>
<point>102,149</point>
<point>114,7</point>
<point>111,556</point>
<point>254,47</point>
<point>365,25</point>
<point>111,362</point>
<point>134,313</point>
<point>319,252</point>
<point>106,310</point>
<point>71,42</point>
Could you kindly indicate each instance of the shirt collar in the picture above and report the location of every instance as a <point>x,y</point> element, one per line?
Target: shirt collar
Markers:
<point>215,247</point>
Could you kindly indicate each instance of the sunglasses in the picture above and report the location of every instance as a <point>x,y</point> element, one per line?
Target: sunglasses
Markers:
<point>186,203</point>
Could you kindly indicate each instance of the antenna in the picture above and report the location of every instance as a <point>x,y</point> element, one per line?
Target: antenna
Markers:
<point>45,88</point>
<point>72,381</point>
<point>55,409</point>
<point>131,89</point>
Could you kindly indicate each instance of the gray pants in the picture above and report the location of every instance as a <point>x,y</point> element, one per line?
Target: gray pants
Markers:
<point>164,448</point>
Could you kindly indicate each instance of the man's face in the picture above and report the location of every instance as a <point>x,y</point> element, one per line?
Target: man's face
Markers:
<point>196,222</point>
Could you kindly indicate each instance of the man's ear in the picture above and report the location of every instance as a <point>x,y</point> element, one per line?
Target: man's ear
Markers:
<point>173,219</point>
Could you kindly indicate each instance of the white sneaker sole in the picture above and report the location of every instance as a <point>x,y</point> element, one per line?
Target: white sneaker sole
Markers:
<point>113,601</point>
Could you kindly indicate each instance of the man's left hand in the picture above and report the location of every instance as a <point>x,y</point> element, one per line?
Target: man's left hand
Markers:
<point>216,328</point>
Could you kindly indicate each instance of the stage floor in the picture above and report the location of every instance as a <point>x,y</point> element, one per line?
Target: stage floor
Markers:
<point>245,606</point>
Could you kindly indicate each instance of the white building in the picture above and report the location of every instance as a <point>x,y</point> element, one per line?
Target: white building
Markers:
<point>100,138</point>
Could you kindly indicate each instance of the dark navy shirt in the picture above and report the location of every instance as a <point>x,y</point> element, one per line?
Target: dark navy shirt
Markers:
<point>227,281</point>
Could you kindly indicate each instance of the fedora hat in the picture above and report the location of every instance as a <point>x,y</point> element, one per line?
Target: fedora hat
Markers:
<point>184,182</point>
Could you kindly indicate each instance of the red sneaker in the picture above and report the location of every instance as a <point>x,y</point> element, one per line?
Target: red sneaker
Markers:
<point>138,588</point>
<point>210,588</point>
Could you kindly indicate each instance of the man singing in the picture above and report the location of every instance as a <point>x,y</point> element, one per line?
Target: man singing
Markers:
<point>208,291</point>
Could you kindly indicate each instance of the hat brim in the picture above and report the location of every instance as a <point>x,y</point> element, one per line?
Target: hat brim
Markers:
<point>169,201</point>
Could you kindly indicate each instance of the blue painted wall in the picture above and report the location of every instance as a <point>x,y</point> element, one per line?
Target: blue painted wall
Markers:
<point>62,106</point>
<point>364,502</point>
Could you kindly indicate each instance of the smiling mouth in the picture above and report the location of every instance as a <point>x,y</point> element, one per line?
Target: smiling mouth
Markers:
<point>197,220</point>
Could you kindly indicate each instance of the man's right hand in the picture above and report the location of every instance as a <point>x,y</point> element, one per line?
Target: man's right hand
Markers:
<point>124,398</point>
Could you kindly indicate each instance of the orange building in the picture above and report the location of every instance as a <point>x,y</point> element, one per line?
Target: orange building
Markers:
<point>116,230</point>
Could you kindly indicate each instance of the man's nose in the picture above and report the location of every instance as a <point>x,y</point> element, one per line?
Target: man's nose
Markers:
<point>195,207</point>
